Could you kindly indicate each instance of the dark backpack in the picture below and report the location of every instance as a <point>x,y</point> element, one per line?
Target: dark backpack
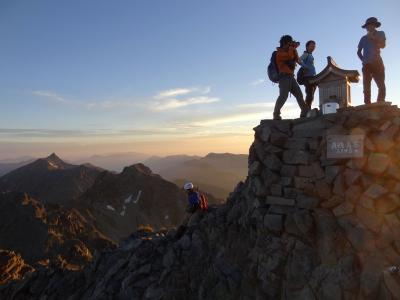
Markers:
<point>301,79</point>
<point>273,72</point>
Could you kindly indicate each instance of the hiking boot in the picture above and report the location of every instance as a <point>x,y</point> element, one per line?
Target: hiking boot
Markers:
<point>277,117</point>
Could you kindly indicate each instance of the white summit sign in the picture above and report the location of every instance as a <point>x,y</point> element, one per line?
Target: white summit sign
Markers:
<point>344,146</point>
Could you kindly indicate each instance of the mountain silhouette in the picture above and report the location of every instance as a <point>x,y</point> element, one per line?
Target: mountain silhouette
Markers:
<point>51,180</point>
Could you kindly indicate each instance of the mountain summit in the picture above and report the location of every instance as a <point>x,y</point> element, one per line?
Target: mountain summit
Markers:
<point>302,226</point>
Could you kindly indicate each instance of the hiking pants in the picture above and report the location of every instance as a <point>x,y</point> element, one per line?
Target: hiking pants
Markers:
<point>288,84</point>
<point>310,90</point>
<point>374,71</point>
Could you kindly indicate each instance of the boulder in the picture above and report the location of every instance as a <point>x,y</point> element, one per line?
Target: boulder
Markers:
<point>273,222</point>
<point>280,201</point>
<point>345,208</point>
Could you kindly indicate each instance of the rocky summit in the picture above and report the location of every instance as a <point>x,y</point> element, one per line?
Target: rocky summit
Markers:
<point>303,225</point>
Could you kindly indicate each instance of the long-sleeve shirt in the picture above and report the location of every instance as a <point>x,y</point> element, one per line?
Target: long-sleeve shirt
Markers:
<point>307,62</point>
<point>283,56</point>
<point>194,198</point>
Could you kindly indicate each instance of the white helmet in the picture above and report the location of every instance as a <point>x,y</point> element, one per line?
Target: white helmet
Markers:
<point>188,186</point>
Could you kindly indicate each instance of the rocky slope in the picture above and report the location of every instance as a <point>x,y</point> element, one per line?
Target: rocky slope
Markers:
<point>302,226</point>
<point>120,203</point>
<point>51,180</point>
<point>47,234</point>
<point>12,267</point>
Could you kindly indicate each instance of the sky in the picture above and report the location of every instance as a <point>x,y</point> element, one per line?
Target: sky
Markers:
<point>163,76</point>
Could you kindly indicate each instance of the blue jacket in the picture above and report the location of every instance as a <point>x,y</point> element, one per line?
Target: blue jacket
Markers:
<point>194,198</point>
<point>307,61</point>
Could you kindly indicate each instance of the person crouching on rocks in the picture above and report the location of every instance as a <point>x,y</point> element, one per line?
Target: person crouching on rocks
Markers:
<point>193,198</point>
<point>197,205</point>
<point>286,59</point>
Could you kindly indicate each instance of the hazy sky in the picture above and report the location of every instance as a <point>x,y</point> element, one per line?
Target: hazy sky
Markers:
<point>162,77</point>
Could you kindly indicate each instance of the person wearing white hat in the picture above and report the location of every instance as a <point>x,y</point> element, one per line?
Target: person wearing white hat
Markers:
<point>193,197</point>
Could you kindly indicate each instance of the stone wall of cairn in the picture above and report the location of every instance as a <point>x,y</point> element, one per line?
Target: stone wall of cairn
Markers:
<point>295,184</point>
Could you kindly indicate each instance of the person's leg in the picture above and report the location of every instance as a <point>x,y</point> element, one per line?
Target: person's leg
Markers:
<point>367,77</point>
<point>379,76</point>
<point>298,94</point>
<point>310,90</point>
<point>284,88</point>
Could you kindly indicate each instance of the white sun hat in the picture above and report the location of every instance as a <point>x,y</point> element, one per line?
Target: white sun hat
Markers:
<point>188,186</point>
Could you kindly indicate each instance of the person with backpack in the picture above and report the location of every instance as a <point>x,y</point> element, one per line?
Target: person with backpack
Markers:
<point>197,205</point>
<point>369,52</point>
<point>306,71</point>
<point>196,199</point>
<point>286,58</point>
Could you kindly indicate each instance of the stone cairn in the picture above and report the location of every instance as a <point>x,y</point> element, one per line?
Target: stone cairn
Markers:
<point>295,183</point>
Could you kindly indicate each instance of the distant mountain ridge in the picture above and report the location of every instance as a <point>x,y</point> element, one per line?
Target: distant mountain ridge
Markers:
<point>215,173</point>
<point>51,180</point>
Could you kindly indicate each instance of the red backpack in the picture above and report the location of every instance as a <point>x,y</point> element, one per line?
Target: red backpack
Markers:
<point>203,202</point>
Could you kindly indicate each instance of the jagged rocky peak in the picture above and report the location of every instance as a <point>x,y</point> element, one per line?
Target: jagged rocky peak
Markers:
<point>55,162</point>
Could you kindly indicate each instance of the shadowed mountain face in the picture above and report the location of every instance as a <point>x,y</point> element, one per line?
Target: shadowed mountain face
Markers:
<point>51,180</point>
<point>41,232</point>
<point>119,203</point>
<point>216,173</point>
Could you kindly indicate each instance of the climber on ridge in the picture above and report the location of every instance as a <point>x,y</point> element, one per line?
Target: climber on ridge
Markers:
<point>196,199</point>
<point>197,204</point>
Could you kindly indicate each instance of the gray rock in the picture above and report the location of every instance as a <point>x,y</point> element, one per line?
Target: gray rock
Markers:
<point>304,222</point>
<point>289,192</point>
<point>278,139</point>
<point>286,181</point>
<point>304,201</point>
<point>255,168</point>
<point>331,172</point>
<point>281,209</point>
<point>276,190</point>
<point>296,157</point>
<point>264,133</point>
<point>338,186</point>
<point>296,143</point>
<point>303,183</point>
<point>288,171</point>
<point>375,191</point>
<point>280,201</point>
<point>272,162</point>
<point>335,200</point>
<point>345,208</point>
<point>351,176</point>
<point>273,222</point>
<point>258,187</point>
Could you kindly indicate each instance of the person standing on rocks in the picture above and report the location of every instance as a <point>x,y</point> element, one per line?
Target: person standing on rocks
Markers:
<point>307,63</point>
<point>286,59</point>
<point>370,54</point>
